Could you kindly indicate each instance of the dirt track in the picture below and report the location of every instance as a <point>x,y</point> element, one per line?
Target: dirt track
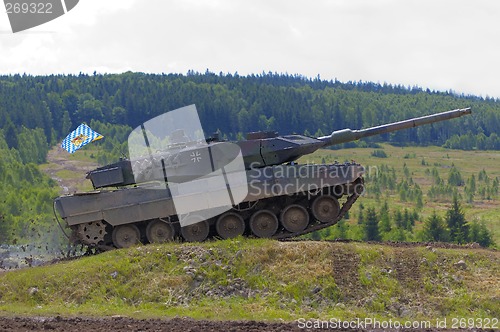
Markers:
<point>58,324</point>
<point>127,324</point>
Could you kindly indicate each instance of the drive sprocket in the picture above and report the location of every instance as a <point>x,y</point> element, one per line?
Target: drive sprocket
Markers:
<point>91,233</point>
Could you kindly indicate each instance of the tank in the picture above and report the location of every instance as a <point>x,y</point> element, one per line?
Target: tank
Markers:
<point>169,195</point>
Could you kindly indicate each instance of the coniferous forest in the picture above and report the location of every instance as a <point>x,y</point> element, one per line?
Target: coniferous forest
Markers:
<point>37,112</point>
<point>48,107</point>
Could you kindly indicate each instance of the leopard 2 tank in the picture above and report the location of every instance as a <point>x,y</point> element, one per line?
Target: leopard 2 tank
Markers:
<point>268,195</point>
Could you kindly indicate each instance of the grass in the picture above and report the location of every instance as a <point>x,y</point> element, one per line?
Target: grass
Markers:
<point>261,279</point>
<point>67,174</point>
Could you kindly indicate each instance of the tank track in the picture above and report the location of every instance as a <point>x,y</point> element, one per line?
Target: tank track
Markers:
<point>103,237</point>
<point>316,227</point>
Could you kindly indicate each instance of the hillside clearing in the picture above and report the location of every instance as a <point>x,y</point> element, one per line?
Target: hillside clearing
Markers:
<point>69,169</point>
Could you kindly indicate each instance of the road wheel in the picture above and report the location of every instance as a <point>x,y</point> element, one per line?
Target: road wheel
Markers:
<point>325,208</point>
<point>159,231</point>
<point>230,225</point>
<point>125,236</point>
<point>197,229</point>
<point>294,218</point>
<point>264,223</point>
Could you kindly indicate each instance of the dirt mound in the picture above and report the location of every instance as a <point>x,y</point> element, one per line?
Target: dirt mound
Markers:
<point>231,283</point>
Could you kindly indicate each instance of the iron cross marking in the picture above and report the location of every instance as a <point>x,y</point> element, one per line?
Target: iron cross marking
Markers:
<point>195,157</point>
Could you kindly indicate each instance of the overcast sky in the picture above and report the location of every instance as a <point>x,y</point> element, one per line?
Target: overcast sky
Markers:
<point>436,44</point>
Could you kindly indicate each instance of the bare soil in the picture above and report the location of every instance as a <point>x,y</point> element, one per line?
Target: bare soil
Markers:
<point>128,324</point>
<point>59,324</point>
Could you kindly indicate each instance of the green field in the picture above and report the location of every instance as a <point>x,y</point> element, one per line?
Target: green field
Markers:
<point>420,161</point>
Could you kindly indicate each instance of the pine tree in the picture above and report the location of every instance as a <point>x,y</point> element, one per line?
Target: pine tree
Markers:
<point>495,186</point>
<point>385,220</point>
<point>407,223</point>
<point>361,214</point>
<point>342,228</point>
<point>455,219</point>
<point>455,178</point>
<point>371,225</point>
<point>485,236</point>
<point>434,229</point>
<point>472,184</point>
<point>482,175</point>
<point>420,201</point>
<point>11,135</point>
<point>398,219</point>
<point>474,231</point>
<point>66,123</point>
<point>479,233</point>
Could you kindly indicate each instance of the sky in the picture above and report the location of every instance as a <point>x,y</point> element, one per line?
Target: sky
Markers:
<point>437,44</point>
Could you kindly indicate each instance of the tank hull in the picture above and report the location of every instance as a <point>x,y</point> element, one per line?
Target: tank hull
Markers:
<point>272,189</point>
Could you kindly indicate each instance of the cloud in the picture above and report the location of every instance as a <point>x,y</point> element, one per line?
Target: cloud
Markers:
<point>441,45</point>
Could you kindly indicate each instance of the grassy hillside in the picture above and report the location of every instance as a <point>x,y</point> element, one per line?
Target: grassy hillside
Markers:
<point>264,280</point>
<point>420,161</point>
<point>69,170</point>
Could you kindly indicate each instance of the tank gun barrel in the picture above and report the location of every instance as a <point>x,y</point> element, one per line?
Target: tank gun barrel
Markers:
<point>348,135</point>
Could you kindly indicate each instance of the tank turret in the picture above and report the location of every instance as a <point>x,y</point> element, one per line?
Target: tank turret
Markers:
<point>260,149</point>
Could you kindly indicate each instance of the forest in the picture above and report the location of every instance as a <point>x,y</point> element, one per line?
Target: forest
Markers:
<point>48,107</point>
<point>37,112</point>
